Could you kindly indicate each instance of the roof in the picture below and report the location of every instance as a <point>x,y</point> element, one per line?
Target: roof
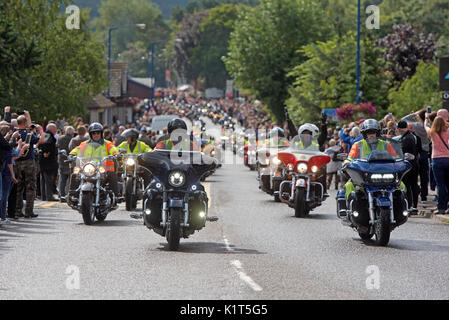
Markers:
<point>100,101</point>
<point>145,82</point>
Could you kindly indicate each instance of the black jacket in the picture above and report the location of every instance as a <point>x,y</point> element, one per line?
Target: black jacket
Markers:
<point>49,146</point>
<point>411,144</point>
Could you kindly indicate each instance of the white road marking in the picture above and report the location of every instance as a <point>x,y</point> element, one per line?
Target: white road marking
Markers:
<point>244,277</point>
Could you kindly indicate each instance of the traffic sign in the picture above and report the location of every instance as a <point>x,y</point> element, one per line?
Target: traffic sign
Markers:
<point>444,74</point>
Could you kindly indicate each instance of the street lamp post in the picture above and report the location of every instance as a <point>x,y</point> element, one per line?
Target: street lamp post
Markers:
<point>139,25</point>
<point>358,53</point>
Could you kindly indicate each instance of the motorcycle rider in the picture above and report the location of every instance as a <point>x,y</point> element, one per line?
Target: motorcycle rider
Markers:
<point>183,140</point>
<point>370,130</point>
<point>87,149</point>
<point>306,134</point>
<point>132,145</point>
<point>276,138</point>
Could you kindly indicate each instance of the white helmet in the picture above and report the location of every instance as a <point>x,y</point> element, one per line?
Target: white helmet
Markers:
<point>309,127</point>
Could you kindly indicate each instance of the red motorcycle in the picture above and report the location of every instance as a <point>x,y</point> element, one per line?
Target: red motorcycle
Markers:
<point>305,167</point>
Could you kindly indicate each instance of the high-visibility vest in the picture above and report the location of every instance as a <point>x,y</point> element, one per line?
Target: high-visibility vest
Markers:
<point>313,146</point>
<point>364,149</point>
<point>186,145</point>
<point>86,150</point>
<point>140,147</point>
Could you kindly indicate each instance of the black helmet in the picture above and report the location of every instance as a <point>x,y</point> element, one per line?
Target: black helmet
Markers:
<point>95,127</point>
<point>176,124</point>
<point>131,133</point>
<point>280,133</point>
<point>369,125</point>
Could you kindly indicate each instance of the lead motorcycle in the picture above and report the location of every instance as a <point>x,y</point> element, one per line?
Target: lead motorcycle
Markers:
<point>90,194</point>
<point>305,166</point>
<point>378,204</point>
<point>175,204</point>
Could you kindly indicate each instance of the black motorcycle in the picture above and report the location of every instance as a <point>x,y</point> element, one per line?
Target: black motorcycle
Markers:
<point>133,180</point>
<point>175,203</point>
<point>90,193</point>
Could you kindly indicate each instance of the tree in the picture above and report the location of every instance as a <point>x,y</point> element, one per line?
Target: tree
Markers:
<point>404,49</point>
<point>327,79</point>
<point>189,36</point>
<point>118,12</point>
<point>71,68</point>
<point>214,37</point>
<point>416,93</point>
<point>264,47</point>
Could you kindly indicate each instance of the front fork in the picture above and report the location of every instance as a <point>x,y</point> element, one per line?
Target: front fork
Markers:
<point>372,213</point>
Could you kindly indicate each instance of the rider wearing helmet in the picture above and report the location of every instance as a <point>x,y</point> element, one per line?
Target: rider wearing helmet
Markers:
<point>178,137</point>
<point>276,138</point>
<point>307,134</point>
<point>90,148</point>
<point>132,145</point>
<point>370,130</point>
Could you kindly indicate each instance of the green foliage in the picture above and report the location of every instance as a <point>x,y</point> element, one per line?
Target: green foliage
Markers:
<point>214,36</point>
<point>119,13</point>
<point>327,79</point>
<point>416,93</point>
<point>264,47</point>
<point>71,67</point>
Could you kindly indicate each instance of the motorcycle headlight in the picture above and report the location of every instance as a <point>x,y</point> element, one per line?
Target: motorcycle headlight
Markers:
<point>212,153</point>
<point>130,162</point>
<point>101,170</point>
<point>76,170</point>
<point>89,169</point>
<point>275,161</point>
<point>302,167</point>
<point>383,178</point>
<point>290,167</point>
<point>176,179</point>
<point>314,169</point>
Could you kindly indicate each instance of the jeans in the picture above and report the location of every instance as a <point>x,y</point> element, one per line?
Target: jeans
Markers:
<point>424,174</point>
<point>47,184</point>
<point>63,179</point>
<point>6,189</point>
<point>440,168</point>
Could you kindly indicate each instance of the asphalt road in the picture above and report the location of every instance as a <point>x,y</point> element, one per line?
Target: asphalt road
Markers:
<point>257,250</point>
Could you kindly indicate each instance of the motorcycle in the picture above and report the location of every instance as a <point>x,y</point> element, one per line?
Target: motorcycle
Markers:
<point>271,170</point>
<point>92,196</point>
<point>305,172</point>
<point>378,205</point>
<point>175,203</point>
<point>132,177</point>
<point>250,156</point>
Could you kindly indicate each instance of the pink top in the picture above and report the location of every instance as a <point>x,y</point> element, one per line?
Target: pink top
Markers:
<point>439,150</point>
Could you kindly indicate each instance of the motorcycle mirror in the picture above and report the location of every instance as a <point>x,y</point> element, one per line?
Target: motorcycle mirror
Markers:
<point>342,156</point>
<point>63,152</point>
<point>122,150</point>
<point>409,157</point>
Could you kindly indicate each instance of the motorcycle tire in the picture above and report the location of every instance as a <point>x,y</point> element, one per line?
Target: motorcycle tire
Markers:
<point>265,180</point>
<point>173,233</point>
<point>87,210</point>
<point>301,207</point>
<point>130,198</point>
<point>383,227</point>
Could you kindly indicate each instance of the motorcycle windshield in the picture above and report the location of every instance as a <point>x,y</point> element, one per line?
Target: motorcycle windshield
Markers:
<point>304,143</point>
<point>383,151</point>
<point>161,162</point>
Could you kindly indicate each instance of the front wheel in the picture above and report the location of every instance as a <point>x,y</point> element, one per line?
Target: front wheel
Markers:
<point>365,236</point>
<point>87,210</point>
<point>383,227</point>
<point>174,229</point>
<point>130,197</point>
<point>301,206</point>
